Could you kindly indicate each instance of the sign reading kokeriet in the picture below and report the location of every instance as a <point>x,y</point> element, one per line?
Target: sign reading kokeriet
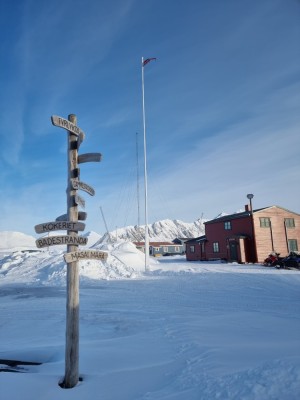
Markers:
<point>85,254</point>
<point>59,226</point>
<point>61,240</point>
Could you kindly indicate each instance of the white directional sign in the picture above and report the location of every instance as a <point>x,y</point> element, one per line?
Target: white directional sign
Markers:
<point>79,201</point>
<point>60,226</point>
<point>83,186</point>
<point>81,216</point>
<point>83,255</point>
<point>89,157</point>
<point>64,123</point>
<point>61,240</point>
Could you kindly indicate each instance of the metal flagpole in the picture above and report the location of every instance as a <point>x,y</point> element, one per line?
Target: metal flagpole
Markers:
<point>145,177</point>
<point>138,181</point>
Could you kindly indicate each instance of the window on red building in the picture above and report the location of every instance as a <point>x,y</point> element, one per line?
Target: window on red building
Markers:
<point>227,225</point>
<point>216,247</point>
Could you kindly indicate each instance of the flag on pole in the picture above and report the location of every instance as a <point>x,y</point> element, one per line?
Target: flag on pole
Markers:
<point>148,60</point>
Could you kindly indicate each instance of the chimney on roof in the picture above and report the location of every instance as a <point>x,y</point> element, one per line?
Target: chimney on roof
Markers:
<point>247,208</point>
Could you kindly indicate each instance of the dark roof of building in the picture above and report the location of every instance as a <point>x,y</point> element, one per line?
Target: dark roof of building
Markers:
<point>155,244</point>
<point>229,217</point>
<point>197,239</point>
<point>242,214</point>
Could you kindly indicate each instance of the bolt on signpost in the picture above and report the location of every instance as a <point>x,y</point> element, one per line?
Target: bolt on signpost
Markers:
<point>69,222</point>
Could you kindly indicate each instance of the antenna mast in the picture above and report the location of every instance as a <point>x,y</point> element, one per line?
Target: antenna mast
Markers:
<point>107,232</point>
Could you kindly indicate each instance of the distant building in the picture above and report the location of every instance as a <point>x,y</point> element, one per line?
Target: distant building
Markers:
<point>246,236</point>
<point>157,249</point>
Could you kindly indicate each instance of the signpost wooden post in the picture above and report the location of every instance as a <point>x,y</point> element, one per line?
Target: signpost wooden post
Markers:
<point>69,222</point>
<point>72,317</point>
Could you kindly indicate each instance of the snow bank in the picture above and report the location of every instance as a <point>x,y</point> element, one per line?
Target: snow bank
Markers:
<point>47,267</point>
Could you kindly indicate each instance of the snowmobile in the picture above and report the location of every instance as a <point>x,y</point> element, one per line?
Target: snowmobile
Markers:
<point>292,261</point>
<point>273,260</point>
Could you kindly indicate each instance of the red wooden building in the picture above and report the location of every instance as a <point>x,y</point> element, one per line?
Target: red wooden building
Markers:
<point>246,236</point>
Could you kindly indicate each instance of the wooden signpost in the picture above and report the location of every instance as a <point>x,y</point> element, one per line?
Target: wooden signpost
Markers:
<point>81,216</point>
<point>61,240</point>
<point>79,201</point>
<point>89,157</point>
<point>68,125</point>
<point>83,186</point>
<point>59,226</point>
<point>86,254</point>
<point>69,222</point>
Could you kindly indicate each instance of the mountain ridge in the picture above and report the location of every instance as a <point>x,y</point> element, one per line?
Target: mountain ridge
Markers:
<point>163,230</point>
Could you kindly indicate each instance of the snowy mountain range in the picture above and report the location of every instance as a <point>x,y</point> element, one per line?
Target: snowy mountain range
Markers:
<point>165,230</point>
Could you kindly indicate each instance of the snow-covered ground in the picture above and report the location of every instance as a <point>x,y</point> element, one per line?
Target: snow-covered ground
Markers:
<point>183,331</point>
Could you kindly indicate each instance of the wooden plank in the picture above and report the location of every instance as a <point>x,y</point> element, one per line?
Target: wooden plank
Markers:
<point>68,125</point>
<point>59,226</point>
<point>81,216</point>
<point>85,255</point>
<point>89,157</point>
<point>80,139</point>
<point>83,186</point>
<point>61,240</point>
<point>79,201</point>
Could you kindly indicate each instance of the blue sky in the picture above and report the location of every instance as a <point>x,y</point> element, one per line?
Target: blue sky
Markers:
<point>222,107</point>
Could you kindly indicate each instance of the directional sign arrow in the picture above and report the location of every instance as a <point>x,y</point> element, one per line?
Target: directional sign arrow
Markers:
<point>79,201</point>
<point>64,123</point>
<point>60,226</point>
<point>89,157</point>
<point>81,216</point>
<point>61,240</point>
<point>80,139</point>
<point>83,186</point>
<point>83,255</point>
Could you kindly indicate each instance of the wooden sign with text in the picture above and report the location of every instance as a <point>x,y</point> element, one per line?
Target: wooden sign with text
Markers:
<point>81,216</point>
<point>79,201</point>
<point>85,255</point>
<point>89,157</point>
<point>61,240</point>
<point>83,186</point>
<point>60,226</point>
<point>64,123</point>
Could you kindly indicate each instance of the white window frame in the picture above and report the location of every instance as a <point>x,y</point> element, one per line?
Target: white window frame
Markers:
<point>293,244</point>
<point>227,225</point>
<point>216,247</point>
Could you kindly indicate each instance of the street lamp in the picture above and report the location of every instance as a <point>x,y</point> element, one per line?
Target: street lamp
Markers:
<point>250,197</point>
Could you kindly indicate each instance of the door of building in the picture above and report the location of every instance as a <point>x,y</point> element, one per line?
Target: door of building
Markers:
<point>233,250</point>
